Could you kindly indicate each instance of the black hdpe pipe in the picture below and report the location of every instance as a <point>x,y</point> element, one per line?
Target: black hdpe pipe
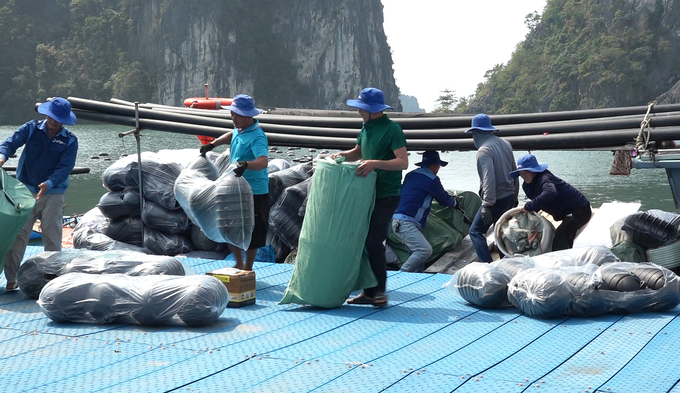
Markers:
<point>524,129</point>
<point>122,110</point>
<point>430,121</point>
<point>597,139</point>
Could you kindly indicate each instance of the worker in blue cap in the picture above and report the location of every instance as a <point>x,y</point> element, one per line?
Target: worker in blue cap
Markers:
<point>496,188</point>
<point>46,162</point>
<point>381,147</point>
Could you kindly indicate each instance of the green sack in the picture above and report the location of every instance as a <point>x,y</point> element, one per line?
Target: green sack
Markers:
<point>438,233</point>
<point>468,201</point>
<point>330,261</point>
<point>16,204</point>
<point>629,251</point>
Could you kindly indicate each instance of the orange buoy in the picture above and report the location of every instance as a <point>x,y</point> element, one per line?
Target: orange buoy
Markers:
<point>205,139</point>
<point>207,103</point>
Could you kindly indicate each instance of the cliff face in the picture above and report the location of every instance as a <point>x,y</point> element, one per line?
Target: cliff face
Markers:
<point>589,54</point>
<point>297,53</point>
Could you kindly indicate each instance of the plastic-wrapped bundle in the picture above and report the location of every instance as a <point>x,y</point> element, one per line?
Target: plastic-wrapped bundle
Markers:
<point>281,249</point>
<point>161,243</point>
<point>277,164</point>
<point>650,231</point>
<point>579,256</point>
<point>127,230</point>
<point>222,208</point>
<point>119,204</point>
<point>285,217</point>
<point>158,178</point>
<point>89,234</point>
<point>481,284</point>
<point>114,177</point>
<point>586,297</point>
<point>540,292</point>
<point>41,268</point>
<point>280,180</point>
<point>151,300</point>
<point>202,243</point>
<point>174,222</point>
<point>638,287</point>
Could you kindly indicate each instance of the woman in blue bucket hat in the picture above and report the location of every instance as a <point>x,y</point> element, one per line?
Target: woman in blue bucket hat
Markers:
<point>381,147</point>
<point>553,195</point>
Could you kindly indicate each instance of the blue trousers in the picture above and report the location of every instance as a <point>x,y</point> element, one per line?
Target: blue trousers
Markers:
<point>478,229</point>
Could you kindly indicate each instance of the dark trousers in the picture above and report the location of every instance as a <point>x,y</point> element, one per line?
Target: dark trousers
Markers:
<point>478,229</point>
<point>377,233</point>
<point>566,232</point>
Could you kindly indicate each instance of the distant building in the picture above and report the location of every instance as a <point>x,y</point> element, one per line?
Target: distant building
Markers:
<point>410,104</point>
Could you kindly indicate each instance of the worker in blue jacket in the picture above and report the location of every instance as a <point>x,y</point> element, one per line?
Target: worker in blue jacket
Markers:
<point>419,188</point>
<point>45,164</point>
<point>554,196</point>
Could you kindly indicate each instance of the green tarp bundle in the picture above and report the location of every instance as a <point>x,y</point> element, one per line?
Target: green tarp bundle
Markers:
<point>331,262</point>
<point>445,227</point>
<point>16,204</point>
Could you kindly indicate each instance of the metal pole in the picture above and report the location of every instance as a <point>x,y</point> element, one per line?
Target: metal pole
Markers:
<point>139,165</point>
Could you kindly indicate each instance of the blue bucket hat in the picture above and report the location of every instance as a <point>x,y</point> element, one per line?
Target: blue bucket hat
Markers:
<point>371,100</point>
<point>58,109</point>
<point>431,157</point>
<point>481,122</point>
<point>528,163</point>
<point>243,105</point>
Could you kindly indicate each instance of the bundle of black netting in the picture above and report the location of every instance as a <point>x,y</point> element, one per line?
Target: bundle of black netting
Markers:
<point>221,205</point>
<point>650,230</point>
<point>40,269</point>
<point>146,300</point>
<point>121,213</point>
<point>582,282</point>
<point>90,234</point>
<point>282,179</point>
<point>589,290</point>
<point>288,212</point>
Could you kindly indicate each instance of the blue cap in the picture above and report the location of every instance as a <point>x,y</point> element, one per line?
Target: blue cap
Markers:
<point>58,109</point>
<point>481,122</point>
<point>528,163</point>
<point>371,100</point>
<point>243,105</point>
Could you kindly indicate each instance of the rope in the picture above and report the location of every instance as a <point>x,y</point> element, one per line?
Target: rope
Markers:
<point>642,140</point>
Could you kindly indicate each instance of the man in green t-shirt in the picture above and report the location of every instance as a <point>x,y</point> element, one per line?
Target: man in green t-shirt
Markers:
<point>381,147</point>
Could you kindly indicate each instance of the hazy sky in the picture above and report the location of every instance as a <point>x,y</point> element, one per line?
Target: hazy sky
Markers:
<point>450,44</point>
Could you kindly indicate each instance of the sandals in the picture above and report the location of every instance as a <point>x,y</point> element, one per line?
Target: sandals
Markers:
<point>11,286</point>
<point>362,298</point>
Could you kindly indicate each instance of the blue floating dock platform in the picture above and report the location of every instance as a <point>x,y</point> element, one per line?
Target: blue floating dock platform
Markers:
<point>426,340</point>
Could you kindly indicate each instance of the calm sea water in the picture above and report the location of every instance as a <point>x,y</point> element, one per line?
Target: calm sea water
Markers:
<point>100,146</point>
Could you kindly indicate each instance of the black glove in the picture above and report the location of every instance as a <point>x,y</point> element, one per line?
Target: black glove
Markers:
<point>206,148</point>
<point>466,219</point>
<point>487,218</point>
<point>242,166</point>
